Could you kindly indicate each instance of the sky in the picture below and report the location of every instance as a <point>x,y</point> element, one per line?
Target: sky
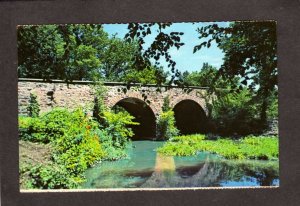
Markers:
<point>185,59</point>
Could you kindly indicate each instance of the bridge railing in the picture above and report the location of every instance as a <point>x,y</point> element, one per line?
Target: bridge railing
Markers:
<point>84,82</point>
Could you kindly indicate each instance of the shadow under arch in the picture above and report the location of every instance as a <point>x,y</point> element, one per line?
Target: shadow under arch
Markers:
<point>190,117</point>
<point>142,114</point>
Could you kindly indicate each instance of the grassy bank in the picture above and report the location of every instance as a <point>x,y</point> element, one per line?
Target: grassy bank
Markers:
<point>250,147</point>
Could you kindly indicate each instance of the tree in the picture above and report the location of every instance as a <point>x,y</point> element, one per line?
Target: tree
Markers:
<point>149,75</point>
<point>76,52</point>
<point>117,59</point>
<point>250,52</point>
<point>37,51</point>
<point>208,76</point>
<point>68,52</point>
<point>158,49</point>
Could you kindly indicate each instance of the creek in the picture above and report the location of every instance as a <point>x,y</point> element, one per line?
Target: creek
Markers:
<point>144,168</point>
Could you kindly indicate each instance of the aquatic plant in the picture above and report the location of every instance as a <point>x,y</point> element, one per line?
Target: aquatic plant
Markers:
<point>250,147</point>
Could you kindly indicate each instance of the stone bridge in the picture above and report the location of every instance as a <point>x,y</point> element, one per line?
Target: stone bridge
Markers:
<point>190,108</point>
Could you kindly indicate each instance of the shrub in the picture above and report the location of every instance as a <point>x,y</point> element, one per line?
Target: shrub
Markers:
<point>33,129</point>
<point>181,145</point>
<point>117,126</point>
<point>235,114</point>
<point>166,128</point>
<point>112,152</point>
<point>75,140</point>
<point>79,147</point>
<point>33,107</point>
<point>166,104</point>
<point>191,139</point>
<point>58,121</point>
<point>78,143</point>
<point>51,176</point>
<point>99,106</point>
<point>48,126</point>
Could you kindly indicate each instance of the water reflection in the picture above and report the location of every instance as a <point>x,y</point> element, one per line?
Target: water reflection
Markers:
<point>146,169</point>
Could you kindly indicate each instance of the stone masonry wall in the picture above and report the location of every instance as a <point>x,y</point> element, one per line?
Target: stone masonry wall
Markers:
<point>272,127</point>
<point>51,95</point>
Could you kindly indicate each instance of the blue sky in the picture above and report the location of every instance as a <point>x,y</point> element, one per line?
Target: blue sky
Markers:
<point>184,57</point>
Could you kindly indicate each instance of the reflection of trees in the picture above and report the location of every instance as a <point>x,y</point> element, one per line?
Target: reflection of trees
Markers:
<point>170,173</point>
<point>207,173</point>
<point>264,177</point>
<point>260,172</point>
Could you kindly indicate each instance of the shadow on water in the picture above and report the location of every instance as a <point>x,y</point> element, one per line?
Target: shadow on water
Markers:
<point>146,169</point>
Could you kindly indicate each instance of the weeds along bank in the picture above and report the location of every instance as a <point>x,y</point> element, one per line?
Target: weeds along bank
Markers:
<point>250,147</point>
<point>77,142</point>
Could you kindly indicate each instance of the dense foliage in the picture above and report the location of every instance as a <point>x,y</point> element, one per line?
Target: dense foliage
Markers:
<point>235,113</point>
<point>250,53</point>
<point>231,111</point>
<point>118,133</point>
<point>208,76</point>
<point>250,147</point>
<point>59,51</point>
<point>148,75</point>
<point>78,142</point>
<point>166,104</point>
<point>166,125</point>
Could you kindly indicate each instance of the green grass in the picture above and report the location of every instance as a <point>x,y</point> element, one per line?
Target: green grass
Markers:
<point>250,147</point>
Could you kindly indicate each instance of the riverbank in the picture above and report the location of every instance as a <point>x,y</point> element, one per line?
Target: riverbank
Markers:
<point>32,154</point>
<point>67,144</point>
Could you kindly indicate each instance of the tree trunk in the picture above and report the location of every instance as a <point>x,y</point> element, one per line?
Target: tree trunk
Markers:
<point>264,108</point>
<point>263,112</point>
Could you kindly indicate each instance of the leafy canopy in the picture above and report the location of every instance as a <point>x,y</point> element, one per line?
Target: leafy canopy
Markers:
<point>79,52</point>
<point>250,51</point>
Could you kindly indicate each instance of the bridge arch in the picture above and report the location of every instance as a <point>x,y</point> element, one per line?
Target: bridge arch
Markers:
<point>143,114</point>
<point>190,117</point>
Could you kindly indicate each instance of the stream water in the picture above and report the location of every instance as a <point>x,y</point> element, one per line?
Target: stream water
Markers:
<point>146,169</point>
